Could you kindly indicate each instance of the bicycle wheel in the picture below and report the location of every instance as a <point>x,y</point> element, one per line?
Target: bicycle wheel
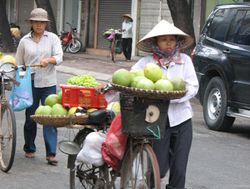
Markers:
<point>80,175</point>
<point>75,46</point>
<point>140,168</point>
<point>7,136</point>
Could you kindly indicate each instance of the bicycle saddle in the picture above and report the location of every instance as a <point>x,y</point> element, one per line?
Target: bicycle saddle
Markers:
<point>100,117</point>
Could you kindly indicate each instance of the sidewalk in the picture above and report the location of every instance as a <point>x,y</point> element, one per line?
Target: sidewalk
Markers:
<point>99,67</point>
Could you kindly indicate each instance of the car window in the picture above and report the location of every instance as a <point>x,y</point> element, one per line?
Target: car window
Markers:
<point>219,25</point>
<point>235,26</point>
<point>240,30</point>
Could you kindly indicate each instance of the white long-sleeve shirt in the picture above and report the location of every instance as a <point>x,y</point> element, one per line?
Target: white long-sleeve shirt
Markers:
<point>179,110</point>
<point>127,29</point>
<point>30,52</point>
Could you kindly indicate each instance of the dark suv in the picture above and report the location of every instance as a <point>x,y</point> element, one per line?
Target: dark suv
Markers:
<point>222,62</point>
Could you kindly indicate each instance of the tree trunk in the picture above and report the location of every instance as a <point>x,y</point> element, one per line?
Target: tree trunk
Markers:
<point>181,15</point>
<point>5,35</point>
<point>84,23</point>
<point>45,4</point>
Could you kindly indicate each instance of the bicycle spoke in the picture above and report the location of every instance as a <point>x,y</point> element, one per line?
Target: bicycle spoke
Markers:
<point>140,169</point>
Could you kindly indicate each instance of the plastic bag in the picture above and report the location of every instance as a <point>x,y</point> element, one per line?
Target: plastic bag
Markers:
<point>114,146</point>
<point>91,150</point>
<point>21,96</point>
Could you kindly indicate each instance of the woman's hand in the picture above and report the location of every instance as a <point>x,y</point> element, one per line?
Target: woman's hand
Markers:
<point>103,88</point>
<point>44,62</point>
<point>100,88</point>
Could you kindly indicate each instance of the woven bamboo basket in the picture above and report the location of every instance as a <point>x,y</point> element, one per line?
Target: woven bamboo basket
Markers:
<point>60,121</point>
<point>151,94</point>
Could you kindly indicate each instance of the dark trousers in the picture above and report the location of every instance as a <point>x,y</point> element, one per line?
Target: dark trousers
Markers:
<point>172,153</point>
<point>127,47</point>
<point>30,127</point>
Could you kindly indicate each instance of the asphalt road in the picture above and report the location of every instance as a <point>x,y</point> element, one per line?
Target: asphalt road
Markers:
<point>217,160</point>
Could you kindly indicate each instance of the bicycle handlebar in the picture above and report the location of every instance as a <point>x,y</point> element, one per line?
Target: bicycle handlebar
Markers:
<point>4,72</point>
<point>32,65</point>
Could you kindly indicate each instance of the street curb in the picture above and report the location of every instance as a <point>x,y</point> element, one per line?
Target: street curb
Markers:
<point>73,71</point>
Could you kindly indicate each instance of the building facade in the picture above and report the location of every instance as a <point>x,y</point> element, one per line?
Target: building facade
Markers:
<point>93,17</point>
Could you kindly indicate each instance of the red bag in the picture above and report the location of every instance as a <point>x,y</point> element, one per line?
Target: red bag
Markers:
<point>114,146</point>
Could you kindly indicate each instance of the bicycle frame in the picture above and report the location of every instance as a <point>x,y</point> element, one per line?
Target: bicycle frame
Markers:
<point>105,177</point>
<point>138,152</point>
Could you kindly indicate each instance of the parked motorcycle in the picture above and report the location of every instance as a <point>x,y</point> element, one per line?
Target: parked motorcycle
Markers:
<point>70,40</point>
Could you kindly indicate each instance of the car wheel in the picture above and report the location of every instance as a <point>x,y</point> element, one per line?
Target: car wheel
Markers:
<point>215,106</point>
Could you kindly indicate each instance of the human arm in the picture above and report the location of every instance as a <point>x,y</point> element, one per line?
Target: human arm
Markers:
<point>190,78</point>
<point>127,29</point>
<point>56,54</point>
<point>140,64</point>
<point>20,54</point>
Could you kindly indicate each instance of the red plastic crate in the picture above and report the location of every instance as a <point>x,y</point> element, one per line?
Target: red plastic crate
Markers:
<point>86,97</point>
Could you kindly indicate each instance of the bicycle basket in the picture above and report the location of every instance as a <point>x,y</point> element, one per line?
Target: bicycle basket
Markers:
<point>60,121</point>
<point>9,70</point>
<point>143,117</point>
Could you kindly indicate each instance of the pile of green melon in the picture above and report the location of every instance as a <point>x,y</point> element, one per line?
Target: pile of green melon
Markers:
<point>53,103</point>
<point>150,78</point>
<point>53,106</point>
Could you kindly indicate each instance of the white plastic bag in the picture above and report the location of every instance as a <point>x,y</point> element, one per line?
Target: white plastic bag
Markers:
<point>91,150</point>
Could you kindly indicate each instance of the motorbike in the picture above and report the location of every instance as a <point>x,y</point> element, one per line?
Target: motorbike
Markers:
<point>70,40</point>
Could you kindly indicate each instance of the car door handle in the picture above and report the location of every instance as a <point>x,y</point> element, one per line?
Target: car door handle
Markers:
<point>227,51</point>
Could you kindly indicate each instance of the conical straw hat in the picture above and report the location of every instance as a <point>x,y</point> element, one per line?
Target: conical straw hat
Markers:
<point>164,28</point>
<point>129,16</point>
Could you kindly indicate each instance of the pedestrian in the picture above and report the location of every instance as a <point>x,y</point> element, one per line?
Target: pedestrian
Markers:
<point>127,35</point>
<point>164,42</point>
<point>40,47</point>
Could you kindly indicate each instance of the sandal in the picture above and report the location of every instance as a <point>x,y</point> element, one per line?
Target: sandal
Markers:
<point>29,154</point>
<point>52,160</point>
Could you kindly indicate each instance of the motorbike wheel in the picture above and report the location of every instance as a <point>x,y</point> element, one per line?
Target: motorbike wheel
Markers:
<point>75,46</point>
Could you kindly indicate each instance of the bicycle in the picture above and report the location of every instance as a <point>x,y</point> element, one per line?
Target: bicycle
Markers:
<point>8,121</point>
<point>115,39</point>
<point>139,166</point>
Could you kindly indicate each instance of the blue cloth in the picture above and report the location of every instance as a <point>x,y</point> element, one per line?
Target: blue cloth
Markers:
<point>30,127</point>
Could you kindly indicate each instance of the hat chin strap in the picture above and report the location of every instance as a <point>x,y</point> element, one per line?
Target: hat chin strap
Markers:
<point>158,54</point>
